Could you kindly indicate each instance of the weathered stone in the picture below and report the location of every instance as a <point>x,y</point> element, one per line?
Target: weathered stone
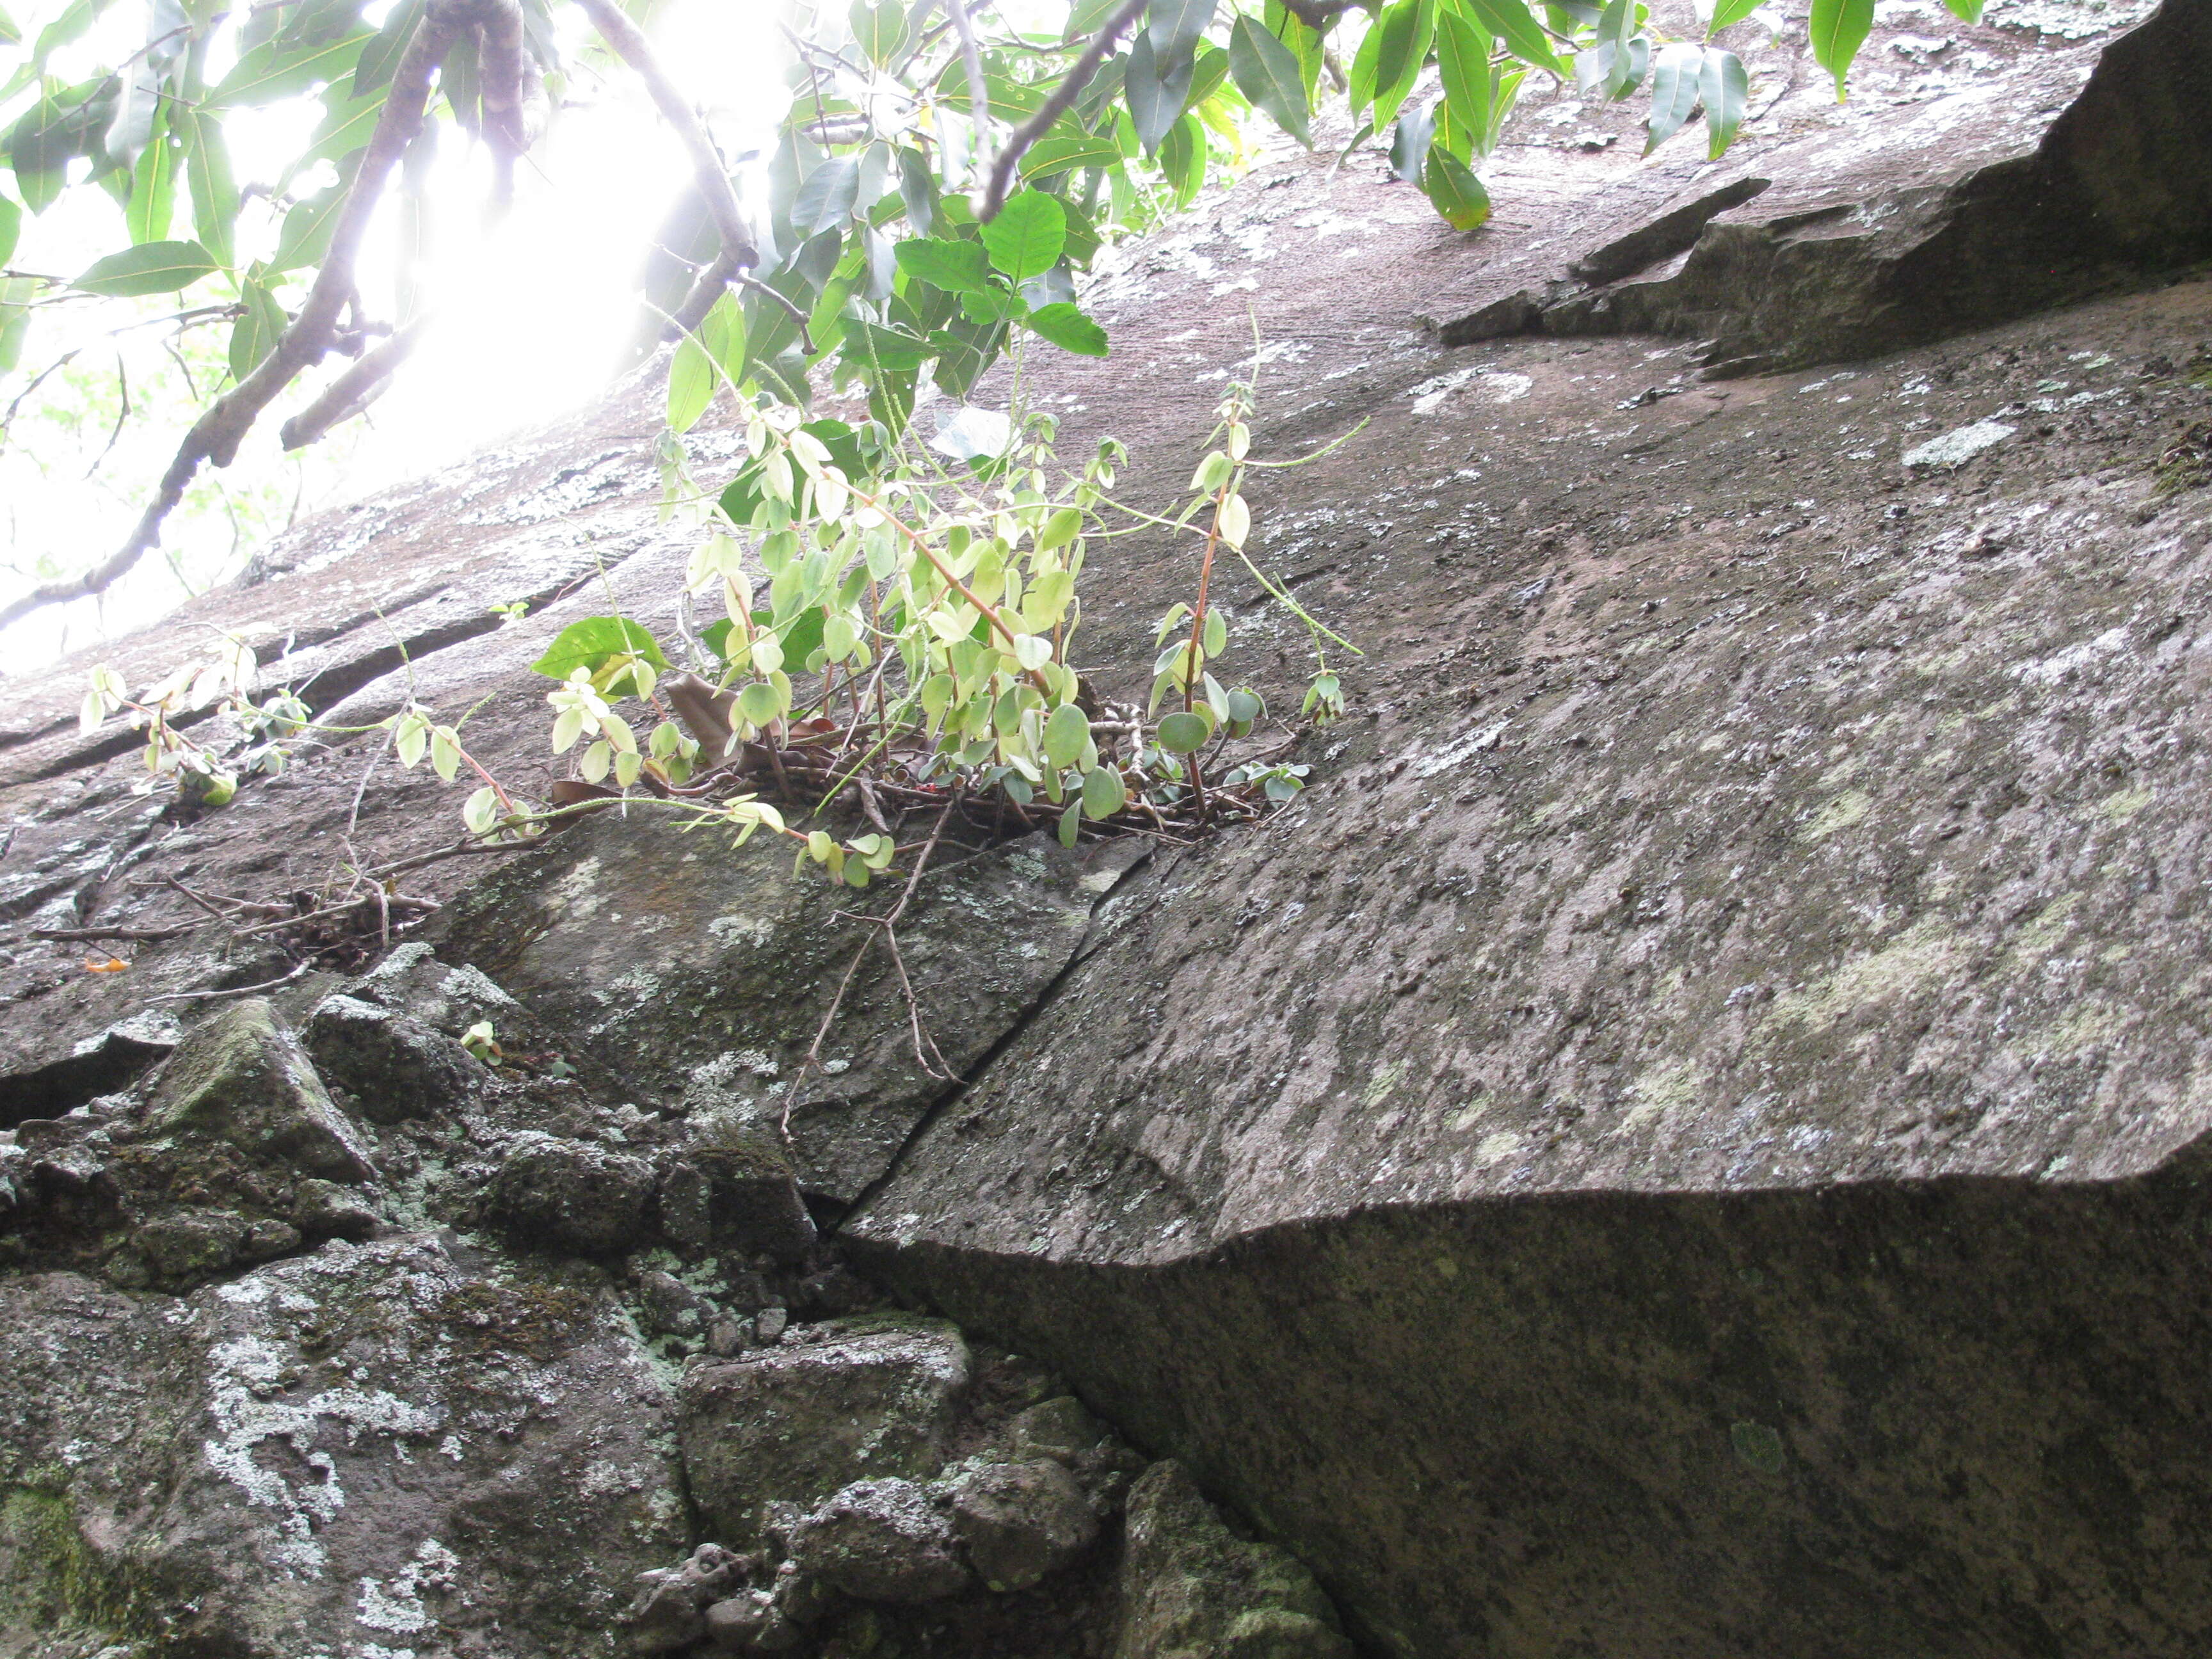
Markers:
<point>1021,1522</point>
<point>669,1609</point>
<point>752,1624</point>
<point>241,1076</point>
<point>1191,1588</point>
<point>191,1245</point>
<point>710,998</point>
<point>672,1307</point>
<point>566,1196</point>
<point>882,1540</point>
<point>379,1445</point>
<point>874,1396</point>
<point>323,1209</point>
<point>1058,1428</point>
<point>394,1067</point>
<point>741,1194</point>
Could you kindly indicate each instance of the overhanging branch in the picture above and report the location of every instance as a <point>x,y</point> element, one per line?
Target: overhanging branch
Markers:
<point>216,435</point>
<point>1062,100</point>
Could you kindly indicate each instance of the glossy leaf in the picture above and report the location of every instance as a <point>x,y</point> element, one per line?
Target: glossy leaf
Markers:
<point>826,198</point>
<point>1065,152</point>
<point>1410,141</point>
<point>1463,48</point>
<point>1069,329</point>
<point>261,322</point>
<point>1722,87</point>
<point>1155,92</point>
<point>1838,29</point>
<point>11,227</point>
<point>208,180</point>
<point>1406,28</point>
<point>879,30</point>
<point>1726,13</point>
<point>153,190</point>
<point>1184,733</point>
<point>1675,73</point>
<point>1026,239</point>
<point>273,71</point>
<point>1454,190</point>
<point>153,268</point>
<point>589,643</point>
<point>956,267</point>
<point>1268,74</point>
<point>1514,27</point>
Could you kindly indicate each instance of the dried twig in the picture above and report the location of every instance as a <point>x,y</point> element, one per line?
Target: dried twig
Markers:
<point>299,969</point>
<point>147,934</point>
<point>886,922</point>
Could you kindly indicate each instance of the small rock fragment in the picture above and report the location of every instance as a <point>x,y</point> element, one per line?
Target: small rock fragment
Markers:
<point>566,1196</point>
<point>190,1244</point>
<point>742,1195</point>
<point>670,1611</point>
<point>395,1066</point>
<point>671,1307</point>
<point>323,1209</point>
<point>1021,1522</point>
<point>769,1324</point>
<point>1059,1429</point>
<point>242,1076</point>
<point>882,1540</point>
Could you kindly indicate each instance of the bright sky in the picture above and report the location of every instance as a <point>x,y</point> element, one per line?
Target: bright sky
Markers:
<point>532,313</point>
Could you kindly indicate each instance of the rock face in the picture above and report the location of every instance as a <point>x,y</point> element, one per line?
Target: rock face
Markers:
<point>1688,1139</point>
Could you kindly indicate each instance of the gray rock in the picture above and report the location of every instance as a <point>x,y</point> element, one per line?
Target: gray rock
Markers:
<point>873,1396</point>
<point>191,1245</point>
<point>741,1194</point>
<point>669,1609</point>
<point>561,1195</point>
<point>672,1307</point>
<point>323,1209</point>
<point>1191,1587</point>
<point>882,1540</point>
<point>375,1445</point>
<point>752,1624</point>
<point>241,1076</point>
<point>709,999</point>
<point>770,1323</point>
<point>1021,1522</point>
<point>1058,1428</point>
<point>393,1066</point>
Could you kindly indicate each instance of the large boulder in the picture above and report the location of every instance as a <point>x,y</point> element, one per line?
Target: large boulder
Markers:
<point>396,1447</point>
<point>241,1078</point>
<point>872,1396</point>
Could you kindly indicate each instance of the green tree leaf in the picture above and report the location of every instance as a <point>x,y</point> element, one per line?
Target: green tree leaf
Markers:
<point>1454,190</point>
<point>274,71</point>
<point>1064,734</point>
<point>1463,48</point>
<point>209,181</point>
<point>1183,734</point>
<point>956,267</point>
<point>1406,28</point>
<point>1513,22</point>
<point>261,322</point>
<point>1069,329</point>
<point>879,30</point>
<point>1026,239</point>
<point>589,643</point>
<point>1104,793</point>
<point>1155,92</point>
<point>11,227</point>
<point>1675,80</point>
<point>1064,152</point>
<point>1722,87</point>
<point>1268,74</point>
<point>1838,29</point>
<point>1728,13</point>
<point>151,268</point>
<point>826,197</point>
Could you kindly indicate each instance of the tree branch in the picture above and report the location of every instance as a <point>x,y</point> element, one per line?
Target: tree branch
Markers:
<point>354,390</point>
<point>1062,100</point>
<point>714,185</point>
<point>216,436</point>
<point>1318,15</point>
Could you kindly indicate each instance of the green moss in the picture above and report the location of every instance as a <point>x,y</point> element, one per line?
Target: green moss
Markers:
<point>52,1582</point>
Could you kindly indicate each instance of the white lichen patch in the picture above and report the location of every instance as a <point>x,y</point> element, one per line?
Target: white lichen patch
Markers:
<point>240,1372</point>
<point>1956,447</point>
<point>727,931</point>
<point>1491,385</point>
<point>398,1610</point>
